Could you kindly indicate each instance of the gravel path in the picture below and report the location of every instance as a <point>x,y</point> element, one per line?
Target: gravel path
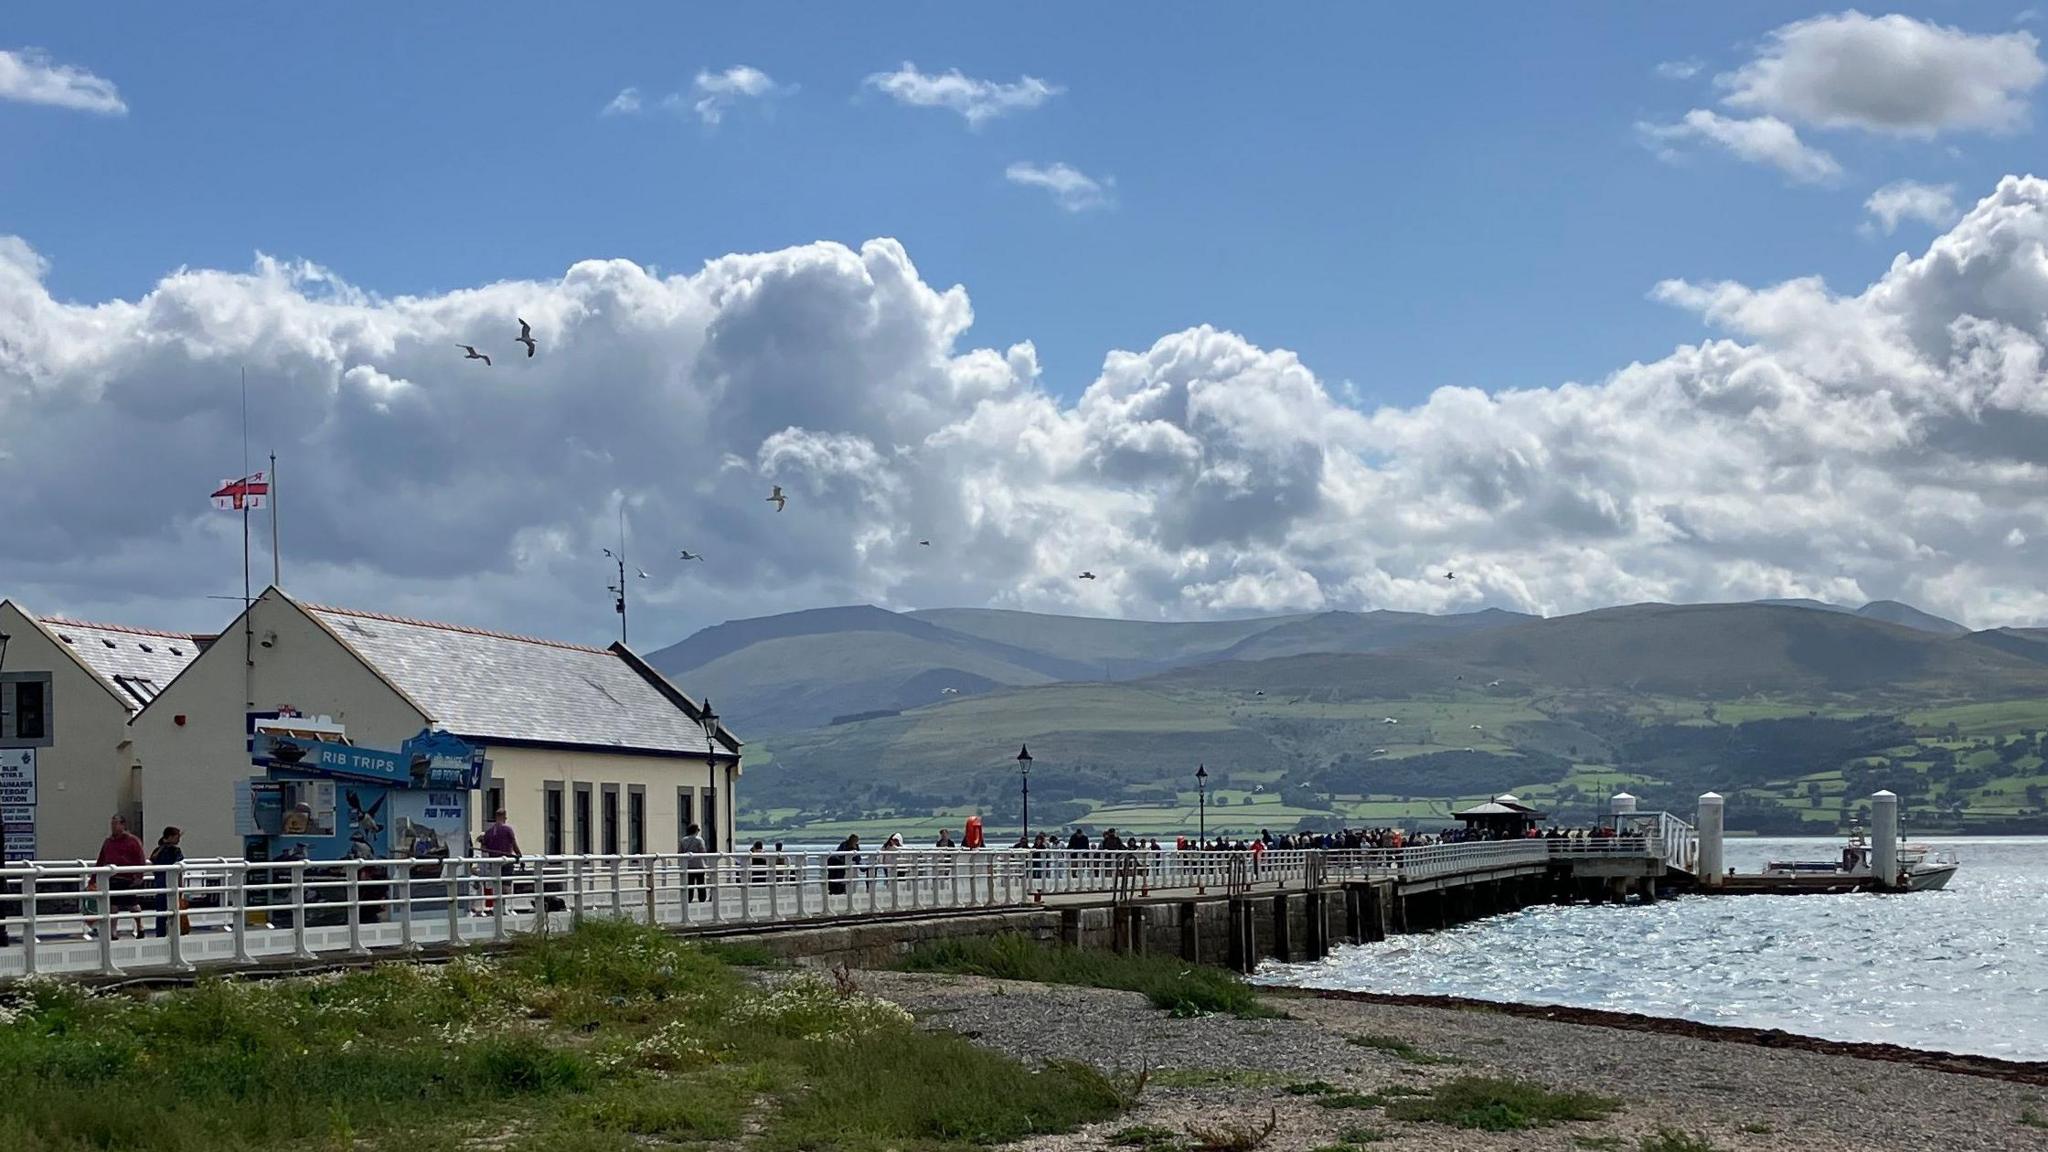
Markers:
<point>1220,1069</point>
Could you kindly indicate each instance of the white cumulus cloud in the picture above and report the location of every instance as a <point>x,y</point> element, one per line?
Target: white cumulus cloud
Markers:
<point>712,94</point>
<point>1932,204</point>
<point>1759,140</point>
<point>626,103</point>
<point>974,99</point>
<point>1890,74</point>
<point>1071,188</point>
<point>1883,441</point>
<point>1679,69</point>
<point>29,76</point>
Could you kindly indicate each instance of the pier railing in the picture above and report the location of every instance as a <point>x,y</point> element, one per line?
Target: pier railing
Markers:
<point>76,918</point>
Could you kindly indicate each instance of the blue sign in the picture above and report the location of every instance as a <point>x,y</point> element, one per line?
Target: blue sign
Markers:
<point>439,760</point>
<point>327,759</point>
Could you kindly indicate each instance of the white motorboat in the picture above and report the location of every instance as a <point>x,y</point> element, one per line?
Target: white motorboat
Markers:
<point>1922,868</point>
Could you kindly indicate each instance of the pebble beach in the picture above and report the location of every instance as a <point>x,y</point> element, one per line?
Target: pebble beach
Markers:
<point>1220,1070</point>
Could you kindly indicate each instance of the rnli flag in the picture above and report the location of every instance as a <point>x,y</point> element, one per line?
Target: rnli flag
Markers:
<point>249,492</point>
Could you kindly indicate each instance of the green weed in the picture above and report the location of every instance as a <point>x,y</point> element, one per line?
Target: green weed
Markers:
<point>1673,1140</point>
<point>1400,1049</point>
<point>1171,984</point>
<point>1497,1105</point>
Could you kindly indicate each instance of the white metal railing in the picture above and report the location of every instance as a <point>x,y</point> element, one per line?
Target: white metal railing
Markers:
<point>77,918</point>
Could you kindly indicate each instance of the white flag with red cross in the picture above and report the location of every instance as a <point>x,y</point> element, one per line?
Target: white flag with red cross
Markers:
<point>249,492</point>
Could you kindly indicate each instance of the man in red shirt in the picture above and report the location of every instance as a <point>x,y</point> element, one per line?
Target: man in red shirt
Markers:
<point>123,849</point>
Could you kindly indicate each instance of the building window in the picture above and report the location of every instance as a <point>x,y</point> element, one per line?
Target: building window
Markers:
<point>636,819</point>
<point>551,818</point>
<point>494,802</point>
<point>583,819</point>
<point>686,813</point>
<point>611,820</point>
<point>25,709</point>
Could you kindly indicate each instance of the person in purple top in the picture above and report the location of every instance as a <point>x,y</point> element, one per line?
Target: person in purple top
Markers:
<point>498,842</point>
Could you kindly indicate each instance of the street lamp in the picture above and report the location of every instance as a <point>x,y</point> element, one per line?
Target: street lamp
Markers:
<point>710,721</point>
<point>1024,774</point>
<point>1202,799</point>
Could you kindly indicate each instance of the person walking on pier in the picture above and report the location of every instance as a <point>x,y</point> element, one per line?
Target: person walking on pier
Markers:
<point>167,855</point>
<point>693,849</point>
<point>122,849</point>
<point>499,843</point>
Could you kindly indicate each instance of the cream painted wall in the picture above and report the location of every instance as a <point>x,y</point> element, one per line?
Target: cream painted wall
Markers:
<point>189,772</point>
<point>525,772</point>
<point>83,777</point>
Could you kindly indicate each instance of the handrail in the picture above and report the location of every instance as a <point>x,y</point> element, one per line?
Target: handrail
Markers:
<point>64,917</point>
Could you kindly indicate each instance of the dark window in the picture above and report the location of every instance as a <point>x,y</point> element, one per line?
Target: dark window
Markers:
<point>636,819</point>
<point>686,813</point>
<point>583,819</point>
<point>31,710</point>
<point>611,820</point>
<point>493,800</point>
<point>551,819</point>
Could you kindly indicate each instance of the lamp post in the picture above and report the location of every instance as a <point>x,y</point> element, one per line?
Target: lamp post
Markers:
<point>1202,800</point>
<point>710,721</point>
<point>1024,775</point>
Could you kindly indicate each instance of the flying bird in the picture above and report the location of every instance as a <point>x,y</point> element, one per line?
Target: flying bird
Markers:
<point>1390,720</point>
<point>1379,751</point>
<point>608,552</point>
<point>1450,575</point>
<point>686,554</point>
<point>924,543</point>
<point>1260,692</point>
<point>1493,683</point>
<point>1477,728</point>
<point>777,498</point>
<point>1085,576</point>
<point>643,573</point>
<point>526,338</point>
<point>474,354</point>
<point>949,691</point>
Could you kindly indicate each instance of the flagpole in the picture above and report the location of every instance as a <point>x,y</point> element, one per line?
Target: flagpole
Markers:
<point>248,625</point>
<point>276,566</point>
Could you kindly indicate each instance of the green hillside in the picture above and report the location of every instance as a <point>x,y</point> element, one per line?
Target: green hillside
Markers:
<point>1795,714</point>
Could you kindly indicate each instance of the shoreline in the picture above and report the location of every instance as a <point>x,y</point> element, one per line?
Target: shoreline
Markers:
<point>2034,1072</point>
<point>1734,1090</point>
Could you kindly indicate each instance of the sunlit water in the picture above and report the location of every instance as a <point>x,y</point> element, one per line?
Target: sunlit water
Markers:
<point>1960,970</point>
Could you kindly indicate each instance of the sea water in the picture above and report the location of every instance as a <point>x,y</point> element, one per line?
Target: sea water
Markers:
<point>1964,969</point>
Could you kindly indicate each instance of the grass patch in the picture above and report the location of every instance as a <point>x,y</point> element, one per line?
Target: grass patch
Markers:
<point>1143,1136</point>
<point>1363,1135</point>
<point>1214,1077</point>
<point>1400,1049</point>
<point>1312,1088</point>
<point>1673,1140</point>
<point>743,954</point>
<point>1758,1128</point>
<point>1497,1105</point>
<point>1379,1099</point>
<point>607,1039</point>
<point>2032,1118</point>
<point>1171,984</point>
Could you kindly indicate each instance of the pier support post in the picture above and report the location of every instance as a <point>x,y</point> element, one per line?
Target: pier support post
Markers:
<point>1884,839</point>
<point>1070,927</point>
<point>1354,914</point>
<point>1190,932</point>
<point>1244,955</point>
<point>1283,934</point>
<point>1318,907</point>
<point>1646,890</point>
<point>1711,870</point>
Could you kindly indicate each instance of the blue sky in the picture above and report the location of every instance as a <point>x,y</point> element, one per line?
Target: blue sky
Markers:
<point>1790,252</point>
<point>1406,195</point>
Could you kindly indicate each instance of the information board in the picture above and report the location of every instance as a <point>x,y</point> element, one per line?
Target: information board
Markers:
<point>17,777</point>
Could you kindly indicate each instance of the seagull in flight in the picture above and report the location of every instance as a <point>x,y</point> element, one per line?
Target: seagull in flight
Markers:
<point>686,554</point>
<point>1450,575</point>
<point>924,543</point>
<point>525,337</point>
<point>949,691</point>
<point>643,573</point>
<point>1477,728</point>
<point>474,354</point>
<point>777,498</point>
<point>608,552</point>
<point>1390,720</point>
<point>1085,576</point>
<point>1493,683</point>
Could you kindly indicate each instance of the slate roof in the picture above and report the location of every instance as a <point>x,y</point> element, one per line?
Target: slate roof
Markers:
<point>495,686</point>
<point>136,663</point>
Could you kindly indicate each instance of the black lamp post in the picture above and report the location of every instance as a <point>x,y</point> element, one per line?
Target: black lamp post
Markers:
<point>1202,799</point>
<point>1024,775</point>
<point>710,721</point>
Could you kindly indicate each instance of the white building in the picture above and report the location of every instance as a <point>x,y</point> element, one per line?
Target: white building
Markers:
<point>67,692</point>
<point>590,749</point>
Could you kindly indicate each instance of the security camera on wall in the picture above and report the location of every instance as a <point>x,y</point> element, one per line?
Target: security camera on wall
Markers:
<point>269,639</point>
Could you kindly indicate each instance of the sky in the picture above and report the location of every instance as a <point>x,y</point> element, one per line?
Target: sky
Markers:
<point>1241,310</point>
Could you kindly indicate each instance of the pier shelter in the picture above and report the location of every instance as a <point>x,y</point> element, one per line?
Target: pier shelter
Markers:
<point>1503,818</point>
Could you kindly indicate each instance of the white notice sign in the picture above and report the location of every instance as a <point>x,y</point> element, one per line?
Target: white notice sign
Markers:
<point>18,841</point>
<point>17,777</point>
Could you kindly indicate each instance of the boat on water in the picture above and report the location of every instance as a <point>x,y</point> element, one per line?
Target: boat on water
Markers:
<point>1922,867</point>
